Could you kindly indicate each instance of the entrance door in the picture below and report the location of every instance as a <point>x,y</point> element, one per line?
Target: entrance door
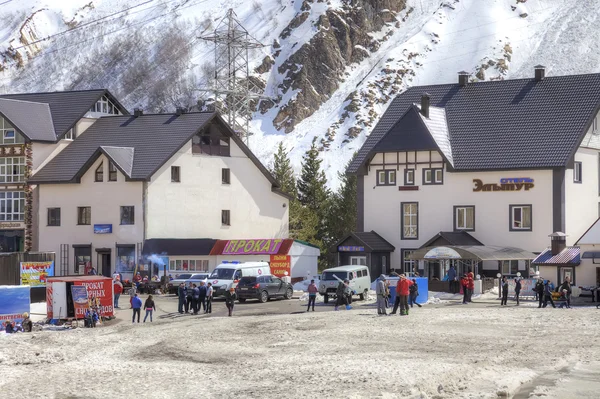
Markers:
<point>104,264</point>
<point>566,272</point>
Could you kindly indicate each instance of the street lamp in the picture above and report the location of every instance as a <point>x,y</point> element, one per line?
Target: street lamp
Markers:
<point>499,284</point>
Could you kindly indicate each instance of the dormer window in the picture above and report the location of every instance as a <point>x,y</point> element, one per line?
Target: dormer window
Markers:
<point>70,134</point>
<point>112,172</point>
<point>211,144</point>
<point>100,172</point>
<point>8,135</point>
<point>105,106</point>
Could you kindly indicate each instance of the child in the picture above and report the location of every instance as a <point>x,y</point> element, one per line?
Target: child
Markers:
<point>149,306</point>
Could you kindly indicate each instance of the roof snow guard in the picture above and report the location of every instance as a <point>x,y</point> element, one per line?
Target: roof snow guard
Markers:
<point>477,253</point>
<point>569,256</point>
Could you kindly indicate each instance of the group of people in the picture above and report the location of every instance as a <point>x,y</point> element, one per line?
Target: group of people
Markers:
<point>136,305</point>
<point>468,286</point>
<point>11,327</point>
<point>544,289</point>
<point>407,292</point>
<point>194,298</point>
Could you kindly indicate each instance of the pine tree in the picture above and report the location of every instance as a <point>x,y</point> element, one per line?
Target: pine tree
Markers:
<point>283,171</point>
<point>312,185</point>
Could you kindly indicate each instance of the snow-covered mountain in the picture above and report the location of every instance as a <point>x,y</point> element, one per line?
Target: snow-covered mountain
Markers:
<point>329,67</point>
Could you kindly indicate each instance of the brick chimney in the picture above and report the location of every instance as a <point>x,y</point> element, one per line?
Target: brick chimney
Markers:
<point>558,241</point>
<point>425,105</point>
<point>138,112</point>
<point>540,72</point>
<point>463,78</point>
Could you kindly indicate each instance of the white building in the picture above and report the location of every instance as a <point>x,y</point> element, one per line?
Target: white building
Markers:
<point>502,163</point>
<point>169,177</point>
<point>34,127</point>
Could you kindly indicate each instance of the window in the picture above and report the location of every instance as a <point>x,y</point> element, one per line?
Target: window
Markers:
<point>12,206</point>
<point>577,172</point>
<point>520,217</point>
<point>225,218</point>
<point>175,174</point>
<point>105,106</point>
<point>127,215</point>
<point>12,170</point>
<point>8,135</point>
<point>100,172</point>
<point>70,134</point>
<point>84,215</point>
<point>112,172</point>
<point>386,177</point>
<point>53,216</point>
<point>510,267</point>
<point>125,258</point>
<point>83,258</point>
<point>198,265</point>
<point>464,218</point>
<point>433,176</point>
<point>358,260</point>
<point>210,144</point>
<point>409,177</point>
<point>225,176</point>
<point>408,265</point>
<point>410,220</point>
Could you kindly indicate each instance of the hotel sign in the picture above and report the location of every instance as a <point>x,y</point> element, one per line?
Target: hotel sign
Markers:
<point>252,247</point>
<point>350,248</point>
<point>506,184</point>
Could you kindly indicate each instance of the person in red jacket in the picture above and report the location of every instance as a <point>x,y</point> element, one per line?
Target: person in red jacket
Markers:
<point>470,285</point>
<point>464,282</point>
<point>403,290</point>
<point>117,291</point>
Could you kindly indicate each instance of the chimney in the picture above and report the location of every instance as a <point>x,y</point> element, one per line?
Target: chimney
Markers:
<point>425,105</point>
<point>179,111</point>
<point>138,112</point>
<point>559,242</point>
<point>540,72</point>
<point>463,78</point>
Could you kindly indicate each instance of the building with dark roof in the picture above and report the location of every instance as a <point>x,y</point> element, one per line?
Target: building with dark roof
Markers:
<point>508,161</point>
<point>34,127</point>
<point>171,183</point>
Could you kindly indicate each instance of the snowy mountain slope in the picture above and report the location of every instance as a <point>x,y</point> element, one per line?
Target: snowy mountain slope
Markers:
<point>329,67</point>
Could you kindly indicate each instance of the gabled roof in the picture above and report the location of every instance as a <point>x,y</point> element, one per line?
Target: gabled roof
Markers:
<point>408,134</point>
<point>66,107</point>
<point>452,238</point>
<point>570,256</point>
<point>33,120</point>
<point>508,124</point>
<point>138,146</point>
<point>591,236</point>
<point>370,239</point>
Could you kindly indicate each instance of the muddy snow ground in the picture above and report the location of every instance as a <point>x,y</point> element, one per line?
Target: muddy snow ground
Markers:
<point>438,351</point>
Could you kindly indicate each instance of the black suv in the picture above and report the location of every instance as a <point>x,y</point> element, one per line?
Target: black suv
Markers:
<point>263,288</point>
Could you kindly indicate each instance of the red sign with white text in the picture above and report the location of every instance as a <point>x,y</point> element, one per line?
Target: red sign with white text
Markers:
<point>103,290</point>
<point>281,265</point>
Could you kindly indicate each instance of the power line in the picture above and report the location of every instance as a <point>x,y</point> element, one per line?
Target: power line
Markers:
<point>6,2</point>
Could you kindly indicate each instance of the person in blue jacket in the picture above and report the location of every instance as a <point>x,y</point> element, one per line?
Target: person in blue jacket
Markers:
<point>548,295</point>
<point>136,303</point>
<point>452,279</point>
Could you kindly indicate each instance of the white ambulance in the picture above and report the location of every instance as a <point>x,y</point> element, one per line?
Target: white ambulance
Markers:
<point>227,274</point>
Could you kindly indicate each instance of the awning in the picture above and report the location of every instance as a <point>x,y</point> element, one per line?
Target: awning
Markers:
<point>178,247</point>
<point>591,255</point>
<point>472,252</point>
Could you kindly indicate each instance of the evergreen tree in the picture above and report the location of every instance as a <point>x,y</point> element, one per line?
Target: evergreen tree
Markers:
<point>312,185</point>
<point>283,171</point>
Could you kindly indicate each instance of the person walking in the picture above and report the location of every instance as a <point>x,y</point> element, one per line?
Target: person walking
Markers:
<point>464,282</point>
<point>150,307</point>
<point>414,293</point>
<point>565,288</point>
<point>452,279</point>
<point>517,290</point>
<point>539,290</point>
<point>504,291</point>
<point>381,296</point>
<point>132,293</point>
<point>195,298</point>
<point>117,291</point>
<point>230,297</point>
<point>136,304</point>
<point>209,297</point>
<point>312,295</point>
<point>548,294</point>
<point>470,286</point>
<point>340,294</point>
<point>189,297</point>
<point>202,297</point>
<point>182,294</point>
<point>403,289</point>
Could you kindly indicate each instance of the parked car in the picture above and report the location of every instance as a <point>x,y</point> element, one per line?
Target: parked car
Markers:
<point>263,288</point>
<point>174,284</point>
<point>197,278</point>
<point>360,281</point>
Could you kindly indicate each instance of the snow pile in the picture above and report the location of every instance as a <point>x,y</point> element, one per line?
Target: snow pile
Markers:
<point>303,285</point>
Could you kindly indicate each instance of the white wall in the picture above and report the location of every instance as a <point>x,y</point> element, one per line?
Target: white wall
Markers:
<point>586,272</point>
<point>582,199</point>
<point>436,202</point>
<point>192,208</point>
<point>105,199</point>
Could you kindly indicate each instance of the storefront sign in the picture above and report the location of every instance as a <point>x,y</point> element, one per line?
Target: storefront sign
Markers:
<point>102,228</point>
<point>80,300</point>
<point>281,265</point>
<point>506,184</point>
<point>14,301</point>
<point>35,273</point>
<point>252,247</point>
<point>442,253</point>
<point>12,225</point>
<point>103,290</point>
<point>350,248</point>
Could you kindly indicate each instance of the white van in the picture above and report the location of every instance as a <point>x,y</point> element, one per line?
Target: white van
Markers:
<point>227,274</point>
<point>360,280</point>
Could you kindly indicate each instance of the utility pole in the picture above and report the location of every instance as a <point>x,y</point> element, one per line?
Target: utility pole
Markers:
<point>232,87</point>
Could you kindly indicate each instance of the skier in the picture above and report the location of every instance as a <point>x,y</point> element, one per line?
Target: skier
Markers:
<point>312,295</point>
<point>548,294</point>
<point>414,293</point>
<point>539,290</point>
<point>403,290</point>
<point>504,291</point>
<point>381,296</point>
<point>230,298</point>
<point>517,290</point>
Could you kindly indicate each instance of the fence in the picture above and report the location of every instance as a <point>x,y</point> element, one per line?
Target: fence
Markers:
<point>10,270</point>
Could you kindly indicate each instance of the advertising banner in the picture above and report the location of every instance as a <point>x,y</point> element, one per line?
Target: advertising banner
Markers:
<point>103,291</point>
<point>14,301</point>
<point>252,247</point>
<point>80,300</point>
<point>102,228</point>
<point>527,287</point>
<point>281,265</point>
<point>34,274</point>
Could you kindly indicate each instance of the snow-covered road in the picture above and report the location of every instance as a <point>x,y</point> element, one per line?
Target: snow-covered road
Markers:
<point>451,351</point>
